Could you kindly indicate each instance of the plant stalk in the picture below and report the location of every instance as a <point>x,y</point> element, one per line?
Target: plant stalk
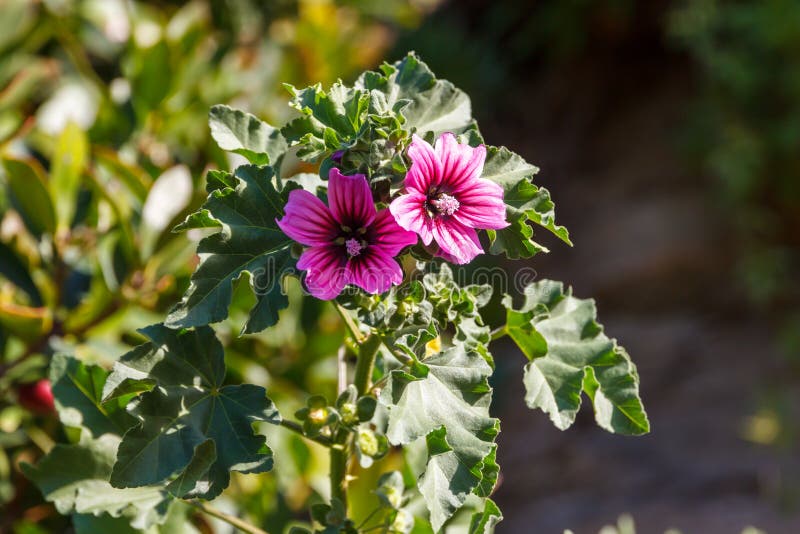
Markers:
<point>340,455</point>
<point>348,321</point>
<point>499,332</point>
<point>365,365</point>
<point>295,427</point>
<point>231,520</point>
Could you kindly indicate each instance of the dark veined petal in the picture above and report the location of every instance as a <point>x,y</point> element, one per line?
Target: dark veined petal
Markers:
<point>426,169</point>
<point>461,163</point>
<point>375,271</point>
<point>389,235</point>
<point>481,205</point>
<point>326,271</point>
<point>459,243</point>
<point>350,199</point>
<point>307,220</point>
<point>409,213</point>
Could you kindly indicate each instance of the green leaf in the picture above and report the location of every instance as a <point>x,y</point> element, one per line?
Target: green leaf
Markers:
<point>30,196</point>
<point>444,399</point>
<point>570,354</point>
<point>489,473</point>
<point>177,521</point>
<point>78,389</point>
<point>12,267</point>
<point>245,134</point>
<point>525,204</point>
<point>484,522</point>
<point>249,243</point>
<point>330,120</point>
<point>75,479</point>
<point>412,315</point>
<point>188,406</point>
<point>459,306</point>
<point>69,161</point>
<point>427,104</point>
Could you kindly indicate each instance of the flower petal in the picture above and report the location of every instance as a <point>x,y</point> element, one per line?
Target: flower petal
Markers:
<point>375,271</point>
<point>389,235</point>
<point>409,212</point>
<point>426,169</point>
<point>461,163</point>
<point>307,220</point>
<point>350,199</point>
<point>481,205</point>
<point>326,271</point>
<point>459,243</point>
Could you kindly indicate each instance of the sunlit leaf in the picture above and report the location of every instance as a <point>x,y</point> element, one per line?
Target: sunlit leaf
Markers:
<point>483,522</point>
<point>330,119</point>
<point>249,243</point>
<point>427,104</point>
<point>525,204</point>
<point>569,354</point>
<point>245,134</point>
<point>78,392</point>
<point>444,399</point>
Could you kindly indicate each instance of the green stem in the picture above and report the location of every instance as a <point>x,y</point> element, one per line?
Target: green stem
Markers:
<point>341,370</point>
<point>370,516</point>
<point>297,428</point>
<point>365,365</point>
<point>231,520</point>
<point>499,332</point>
<point>338,475</point>
<point>348,321</point>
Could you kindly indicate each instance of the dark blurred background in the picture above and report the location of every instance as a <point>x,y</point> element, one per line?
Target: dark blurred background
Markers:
<point>667,131</point>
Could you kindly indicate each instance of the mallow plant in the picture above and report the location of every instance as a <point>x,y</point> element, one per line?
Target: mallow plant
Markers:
<point>405,188</point>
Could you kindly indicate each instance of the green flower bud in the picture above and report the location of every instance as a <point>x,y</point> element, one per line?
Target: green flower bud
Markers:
<point>368,443</point>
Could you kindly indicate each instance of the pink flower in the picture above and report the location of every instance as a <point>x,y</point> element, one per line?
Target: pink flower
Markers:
<point>350,242</point>
<point>446,200</point>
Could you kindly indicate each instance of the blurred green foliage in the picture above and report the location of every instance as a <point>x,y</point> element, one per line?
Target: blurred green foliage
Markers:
<point>104,143</point>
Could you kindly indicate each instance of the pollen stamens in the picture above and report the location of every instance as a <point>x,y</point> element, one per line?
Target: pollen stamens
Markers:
<point>445,204</point>
<point>354,247</point>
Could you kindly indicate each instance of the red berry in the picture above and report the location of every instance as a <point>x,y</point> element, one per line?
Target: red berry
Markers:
<point>37,396</point>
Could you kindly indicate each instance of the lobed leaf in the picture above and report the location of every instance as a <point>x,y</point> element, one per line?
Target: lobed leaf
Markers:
<point>445,400</point>
<point>249,244</point>
<point>243,133</point>
<point>525,203</point>
<point>330,119</point>
<point>427,104</point>
<point>78,394</point>
<point>569,354</point>
<point>75,479</point>
<point>187,407</point>
<point>485,521</point>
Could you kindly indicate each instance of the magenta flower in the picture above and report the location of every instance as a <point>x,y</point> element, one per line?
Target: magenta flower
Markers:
<point>350,242</point>
<point>446,200</point>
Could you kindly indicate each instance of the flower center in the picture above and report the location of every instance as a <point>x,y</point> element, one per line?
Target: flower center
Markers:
<point>354,246</point>
<point>445,204</point>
